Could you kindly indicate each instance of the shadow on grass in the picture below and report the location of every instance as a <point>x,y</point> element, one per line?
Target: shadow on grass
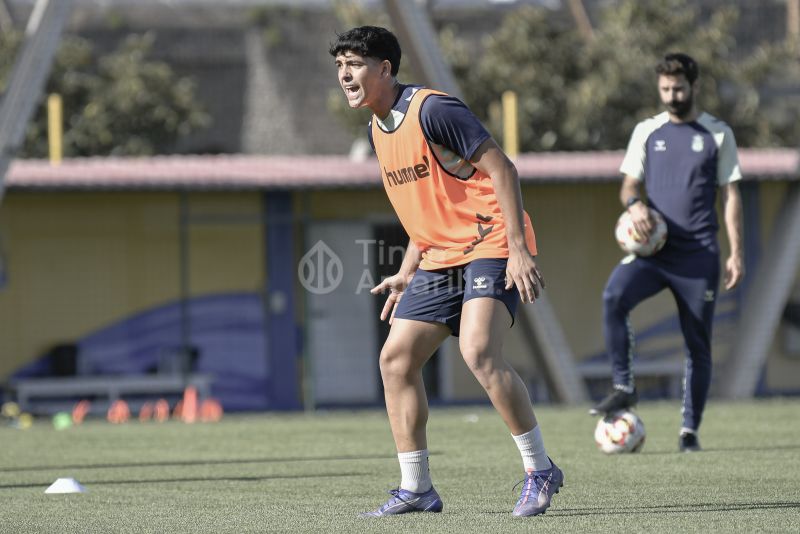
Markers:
<point>195,463</point>
<point>645,452</point>
<point>90,483</point>
<point>667,509</point>
<point>677,508</point>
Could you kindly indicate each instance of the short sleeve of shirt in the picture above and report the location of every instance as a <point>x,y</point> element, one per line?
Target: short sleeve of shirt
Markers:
<point>446,121</point>
<point>728,160</point>
<point>635,155</point>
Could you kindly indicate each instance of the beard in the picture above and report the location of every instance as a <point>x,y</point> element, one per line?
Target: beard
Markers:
<point>681,109</point>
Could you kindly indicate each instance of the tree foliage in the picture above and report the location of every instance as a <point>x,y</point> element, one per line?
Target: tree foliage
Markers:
<point>120,103</point>
<point>588,95</point>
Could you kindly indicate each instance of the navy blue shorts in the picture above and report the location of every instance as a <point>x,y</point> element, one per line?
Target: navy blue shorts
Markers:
<point>438,296</point>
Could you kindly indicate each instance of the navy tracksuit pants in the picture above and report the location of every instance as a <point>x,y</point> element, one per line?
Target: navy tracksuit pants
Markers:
<point>693,278</point>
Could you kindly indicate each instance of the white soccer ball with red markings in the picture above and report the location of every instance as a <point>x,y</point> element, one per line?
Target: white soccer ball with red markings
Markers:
<point>620,432</point>
<point>633,242</point>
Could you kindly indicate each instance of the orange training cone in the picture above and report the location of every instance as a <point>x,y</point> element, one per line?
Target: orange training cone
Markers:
<point>177,412</point>
<point>119,412</point>
<point>189,413</point>
<point>146,412</point>
<point>210,411</point>
<point>161,410</point>
<point>80,411</point>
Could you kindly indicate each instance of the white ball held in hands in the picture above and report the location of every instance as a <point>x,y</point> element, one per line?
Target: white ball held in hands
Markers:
<point>633,242</point>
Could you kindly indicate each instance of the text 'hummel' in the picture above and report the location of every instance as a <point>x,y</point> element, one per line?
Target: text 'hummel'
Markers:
<point>408,174</point>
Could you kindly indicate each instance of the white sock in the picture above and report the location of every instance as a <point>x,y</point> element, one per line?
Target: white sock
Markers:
<point>531,447</point>
<point>415,471</point>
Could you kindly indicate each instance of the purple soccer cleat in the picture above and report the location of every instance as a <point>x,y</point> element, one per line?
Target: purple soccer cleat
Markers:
<point>538,489</point>
<point>404,501</point>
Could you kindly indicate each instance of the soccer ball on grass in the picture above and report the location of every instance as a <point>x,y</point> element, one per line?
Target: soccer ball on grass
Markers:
<point>620,432</point>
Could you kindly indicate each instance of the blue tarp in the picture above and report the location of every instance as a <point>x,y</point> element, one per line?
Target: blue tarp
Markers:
<point>227,330</point>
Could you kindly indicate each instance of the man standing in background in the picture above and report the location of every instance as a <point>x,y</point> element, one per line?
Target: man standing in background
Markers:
<point>682,157</point>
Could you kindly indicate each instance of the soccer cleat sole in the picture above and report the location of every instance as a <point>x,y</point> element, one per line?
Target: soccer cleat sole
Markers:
<point>368,515</point>
<point>435,507</point>
<point>595,412</point>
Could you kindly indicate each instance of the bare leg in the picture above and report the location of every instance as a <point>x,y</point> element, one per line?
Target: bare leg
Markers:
<point>410,344</point>
<point>484,324</point>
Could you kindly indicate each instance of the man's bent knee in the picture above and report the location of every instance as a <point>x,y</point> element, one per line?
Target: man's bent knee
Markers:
<point>479,358</point>
<point>396,361</point>
<point>612,299</point>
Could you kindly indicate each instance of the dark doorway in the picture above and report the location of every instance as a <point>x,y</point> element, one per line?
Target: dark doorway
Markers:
<point>388,250</point>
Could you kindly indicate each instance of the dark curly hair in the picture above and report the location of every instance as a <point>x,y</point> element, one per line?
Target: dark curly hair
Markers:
<point>677,63</point>
<point>369,41</point>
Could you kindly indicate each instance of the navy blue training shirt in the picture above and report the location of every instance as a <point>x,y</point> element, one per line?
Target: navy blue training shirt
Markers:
<point>682,165</point>
<point>452,130</point>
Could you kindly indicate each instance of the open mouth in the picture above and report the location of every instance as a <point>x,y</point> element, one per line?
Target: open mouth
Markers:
<point>351,90</point>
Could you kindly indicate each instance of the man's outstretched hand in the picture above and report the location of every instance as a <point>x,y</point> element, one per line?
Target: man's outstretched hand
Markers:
<point>395,285</point>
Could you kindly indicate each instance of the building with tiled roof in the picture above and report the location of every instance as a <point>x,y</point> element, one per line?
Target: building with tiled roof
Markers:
<point>122,257</point>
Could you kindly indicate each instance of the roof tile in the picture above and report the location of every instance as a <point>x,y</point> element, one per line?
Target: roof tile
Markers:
<point>232,172</point>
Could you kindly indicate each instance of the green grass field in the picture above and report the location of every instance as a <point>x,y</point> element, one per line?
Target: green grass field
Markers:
<point>314,473</point>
